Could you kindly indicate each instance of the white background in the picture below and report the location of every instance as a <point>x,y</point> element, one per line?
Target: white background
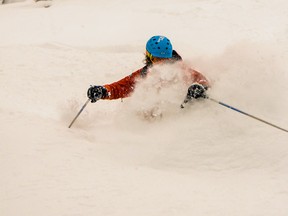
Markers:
<point>204,160</point>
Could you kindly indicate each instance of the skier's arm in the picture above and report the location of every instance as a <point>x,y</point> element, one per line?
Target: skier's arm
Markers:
<point>197,77</point>
<point>122,88</point>
<point>198,86</point>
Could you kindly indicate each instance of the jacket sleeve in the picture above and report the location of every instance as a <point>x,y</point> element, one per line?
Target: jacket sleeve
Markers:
<point>197,77</point>
<point>193,76</point>
<point>124,87</point>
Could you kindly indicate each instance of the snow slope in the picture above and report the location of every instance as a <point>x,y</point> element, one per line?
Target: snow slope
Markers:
<point>203,160</point>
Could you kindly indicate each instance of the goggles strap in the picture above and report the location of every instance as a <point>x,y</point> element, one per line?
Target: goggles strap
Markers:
<point>149,55</point>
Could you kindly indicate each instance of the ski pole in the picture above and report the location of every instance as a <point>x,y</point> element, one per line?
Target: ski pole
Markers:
<point>244,113</point>
<point>79,113</point>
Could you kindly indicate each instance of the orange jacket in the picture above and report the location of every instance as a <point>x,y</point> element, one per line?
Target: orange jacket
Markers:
<point>124,87</point>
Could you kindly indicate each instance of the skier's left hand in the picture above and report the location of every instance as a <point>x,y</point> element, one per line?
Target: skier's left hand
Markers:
<point>196,91</point>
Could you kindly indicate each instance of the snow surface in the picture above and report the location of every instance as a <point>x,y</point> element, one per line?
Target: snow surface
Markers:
<point>203,160</point>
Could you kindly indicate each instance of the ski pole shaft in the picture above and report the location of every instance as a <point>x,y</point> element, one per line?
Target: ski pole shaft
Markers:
<point>244,113</point>
<point>79,113</point>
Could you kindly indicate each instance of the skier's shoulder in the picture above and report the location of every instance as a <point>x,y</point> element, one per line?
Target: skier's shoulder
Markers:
<point>142,72</point>
<point>176,56</point>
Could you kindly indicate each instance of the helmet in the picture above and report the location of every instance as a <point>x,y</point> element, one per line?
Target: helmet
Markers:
<point>159,46</point>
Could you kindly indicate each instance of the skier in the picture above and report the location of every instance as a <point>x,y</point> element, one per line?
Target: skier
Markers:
<point>158,51</point>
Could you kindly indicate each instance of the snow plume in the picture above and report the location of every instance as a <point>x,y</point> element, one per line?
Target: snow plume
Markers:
<point>189,139</point>
<point>158,95</point>
<point>251,75</point>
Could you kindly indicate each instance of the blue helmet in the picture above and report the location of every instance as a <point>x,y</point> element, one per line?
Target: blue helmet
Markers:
<point>159,46</point>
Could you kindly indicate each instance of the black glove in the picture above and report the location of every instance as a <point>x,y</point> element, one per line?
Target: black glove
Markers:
<point>196,90</point>
<point>95,93</point>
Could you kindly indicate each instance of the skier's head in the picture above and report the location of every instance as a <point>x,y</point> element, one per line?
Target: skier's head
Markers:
<point>158,48</point>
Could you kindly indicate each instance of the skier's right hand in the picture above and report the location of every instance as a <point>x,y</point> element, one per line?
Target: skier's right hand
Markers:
<point>95,93</point>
